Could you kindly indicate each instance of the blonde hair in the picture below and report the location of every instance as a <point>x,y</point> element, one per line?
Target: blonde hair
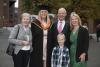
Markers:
<point>79,19</point>
<point>39,16</point>
<point>47,20</point>
<point>60,34</point>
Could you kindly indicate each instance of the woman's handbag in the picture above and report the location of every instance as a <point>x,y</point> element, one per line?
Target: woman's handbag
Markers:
<point>11,47</point>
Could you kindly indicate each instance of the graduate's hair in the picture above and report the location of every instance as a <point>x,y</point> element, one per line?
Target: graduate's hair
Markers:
<point>39,16</point>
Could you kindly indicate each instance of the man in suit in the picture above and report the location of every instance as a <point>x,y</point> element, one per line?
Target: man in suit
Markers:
<point>59,26</point>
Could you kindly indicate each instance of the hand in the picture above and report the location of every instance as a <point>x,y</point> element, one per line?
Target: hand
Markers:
<point>82,57</point>
<point>25,42</point>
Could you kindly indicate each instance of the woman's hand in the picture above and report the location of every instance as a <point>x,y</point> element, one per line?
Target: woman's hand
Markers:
<point>82,57</point>
<point>25,42</point>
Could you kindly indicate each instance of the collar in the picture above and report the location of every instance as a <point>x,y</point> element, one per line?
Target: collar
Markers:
<point>61,21</point>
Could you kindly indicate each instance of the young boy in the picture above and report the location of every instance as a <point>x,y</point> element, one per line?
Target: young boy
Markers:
<point>60,53</point>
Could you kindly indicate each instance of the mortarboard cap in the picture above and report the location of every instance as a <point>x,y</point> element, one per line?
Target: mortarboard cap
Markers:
<point>43,7</point>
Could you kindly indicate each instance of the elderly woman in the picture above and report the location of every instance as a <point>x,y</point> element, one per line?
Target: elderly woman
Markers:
<point>22,42</point>
<point>79,39</point>
<point>40,39</point>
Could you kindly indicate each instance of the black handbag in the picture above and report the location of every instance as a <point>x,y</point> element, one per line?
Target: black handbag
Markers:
<point>11,47</point>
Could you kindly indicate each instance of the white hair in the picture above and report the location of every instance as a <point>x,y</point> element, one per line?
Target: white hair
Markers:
<point>26,14</point>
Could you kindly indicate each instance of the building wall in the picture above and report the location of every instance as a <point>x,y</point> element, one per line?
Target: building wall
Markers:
<point>6,11</point>
<point>1,13</point>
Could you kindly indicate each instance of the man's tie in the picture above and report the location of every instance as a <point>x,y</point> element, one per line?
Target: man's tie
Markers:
<point>60,27</point>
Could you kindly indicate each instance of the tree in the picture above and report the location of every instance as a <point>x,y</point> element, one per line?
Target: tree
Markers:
<point>25,6</point>
<point>88,8</point>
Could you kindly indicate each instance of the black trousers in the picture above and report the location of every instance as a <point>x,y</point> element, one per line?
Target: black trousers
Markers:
<point>21,59</point>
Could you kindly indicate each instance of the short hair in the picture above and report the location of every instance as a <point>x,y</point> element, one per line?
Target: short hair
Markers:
<point>62,9</point>
<point>26,14</point>
<point>60,34</point>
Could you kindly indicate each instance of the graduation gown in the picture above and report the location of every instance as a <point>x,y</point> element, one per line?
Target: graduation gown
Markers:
<point>36,57</point>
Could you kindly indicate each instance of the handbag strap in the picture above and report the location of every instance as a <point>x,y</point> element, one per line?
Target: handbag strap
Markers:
<point>17,31</point>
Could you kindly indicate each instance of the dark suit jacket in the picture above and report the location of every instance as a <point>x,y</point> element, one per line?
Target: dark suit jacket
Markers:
<point>53,38</point>
<point>82,43</point>
<point>65,31</point>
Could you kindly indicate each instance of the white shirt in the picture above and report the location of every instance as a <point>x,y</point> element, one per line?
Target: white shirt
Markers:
<point>26,47</point>
<point>45,32</point>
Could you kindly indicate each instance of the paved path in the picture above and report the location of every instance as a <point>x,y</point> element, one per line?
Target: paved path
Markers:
<point>6,61</point>
<point>94,53</point>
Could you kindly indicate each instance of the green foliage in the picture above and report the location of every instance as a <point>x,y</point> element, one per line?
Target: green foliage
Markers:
<point>86,8</point>
<point>27,5</point>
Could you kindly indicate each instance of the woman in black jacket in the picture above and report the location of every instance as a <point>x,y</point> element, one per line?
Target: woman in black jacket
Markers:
<point>79,39</point>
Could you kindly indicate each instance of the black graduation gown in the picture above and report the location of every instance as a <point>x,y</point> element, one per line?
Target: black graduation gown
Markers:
<point>36,57</point>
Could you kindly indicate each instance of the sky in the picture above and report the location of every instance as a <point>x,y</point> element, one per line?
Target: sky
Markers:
<point>16,4</point>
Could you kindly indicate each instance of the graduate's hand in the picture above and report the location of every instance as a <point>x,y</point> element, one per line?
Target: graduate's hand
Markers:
<point>82,57</point>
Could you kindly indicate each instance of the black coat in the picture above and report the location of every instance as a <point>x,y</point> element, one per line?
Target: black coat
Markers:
<point>82,43</point>
<point>98,32</point>
<point>53,38</point>
<point>65,31</point>
<point>36,58</point>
